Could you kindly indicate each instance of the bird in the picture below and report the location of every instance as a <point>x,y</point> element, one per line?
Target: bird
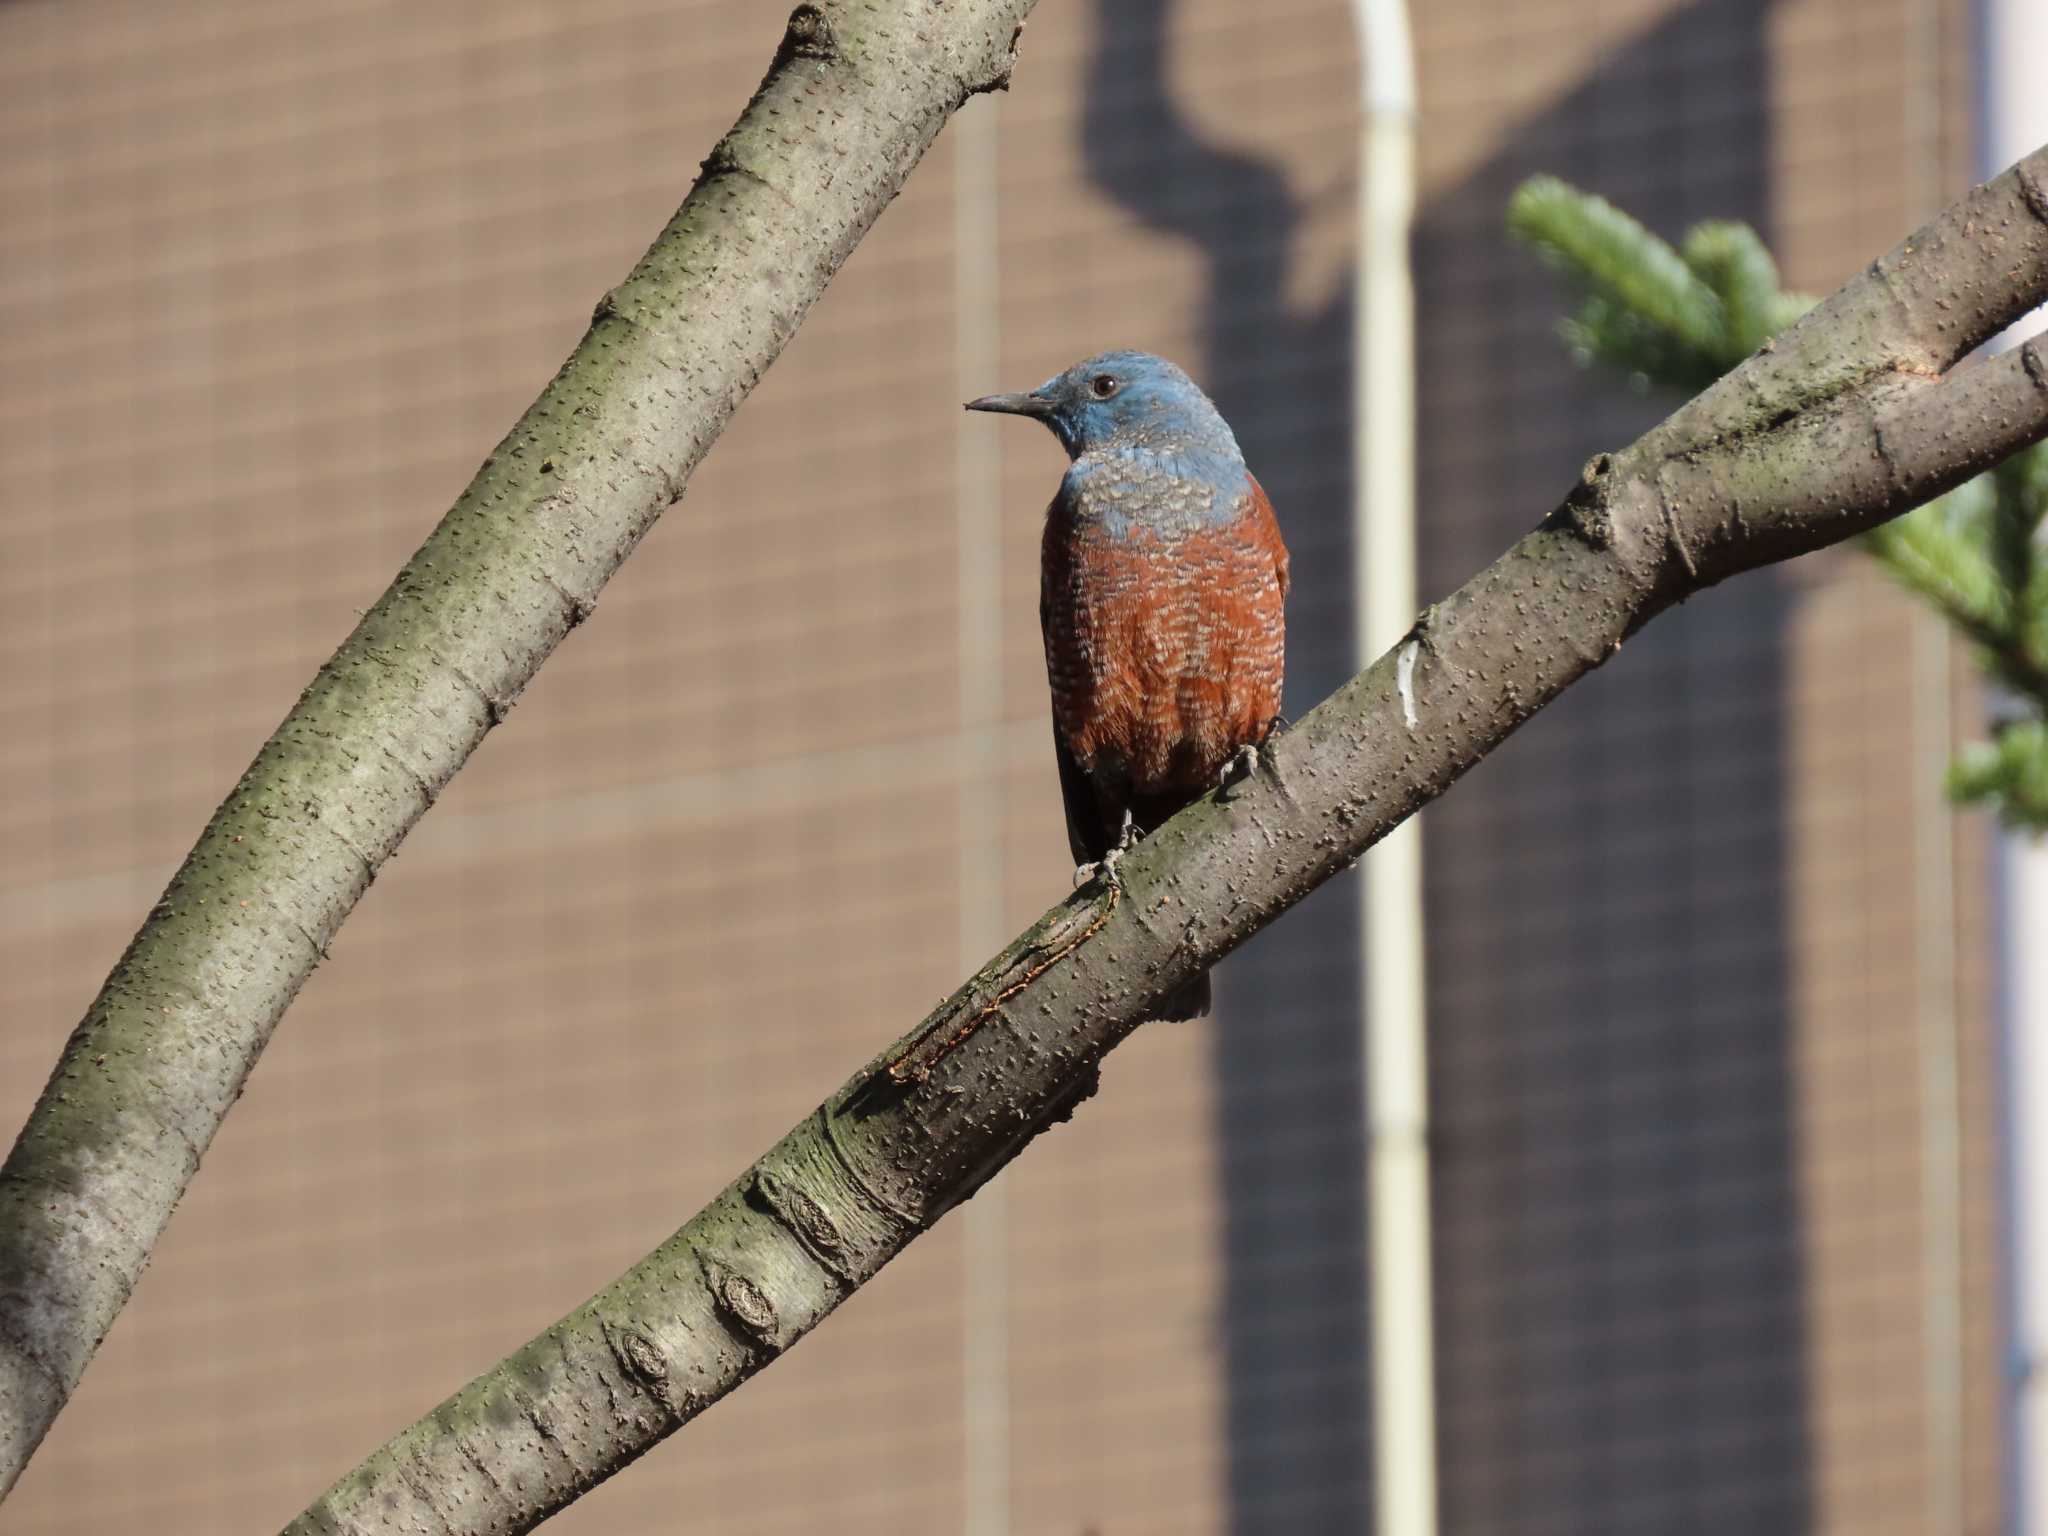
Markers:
<point>1162,602</point>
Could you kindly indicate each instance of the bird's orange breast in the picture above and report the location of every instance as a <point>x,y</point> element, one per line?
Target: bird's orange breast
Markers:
<point>1165,651</point>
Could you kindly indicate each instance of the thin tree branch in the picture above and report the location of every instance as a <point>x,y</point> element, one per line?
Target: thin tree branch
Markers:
<point>856,92</point>
<point>1851,417</point>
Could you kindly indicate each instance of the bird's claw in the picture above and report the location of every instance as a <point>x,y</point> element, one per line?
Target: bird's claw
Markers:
<point>1242,764</point>
<point>1105,866</point>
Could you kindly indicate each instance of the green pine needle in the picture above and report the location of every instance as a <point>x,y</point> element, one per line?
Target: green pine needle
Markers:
<point>1933,553</point>
<point>2009,772</point>
<point>1730,259</point>
<point>1647,311</point>
<point>1788,307</point>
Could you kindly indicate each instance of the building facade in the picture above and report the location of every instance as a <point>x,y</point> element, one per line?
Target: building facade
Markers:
<point>1711,1069</point>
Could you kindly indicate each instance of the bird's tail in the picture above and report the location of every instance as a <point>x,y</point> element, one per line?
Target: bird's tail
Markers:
<point>1190,1002</point>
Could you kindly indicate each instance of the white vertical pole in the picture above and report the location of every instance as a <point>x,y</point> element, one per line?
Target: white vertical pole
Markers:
<point>986,1347</point>
<point>2015,122</point>
<point>1934,948</point>
<point>2024,878</point>
<point>1383,553</point>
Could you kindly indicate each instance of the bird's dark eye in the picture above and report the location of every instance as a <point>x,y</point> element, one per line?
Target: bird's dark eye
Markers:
<point>1105,385</point>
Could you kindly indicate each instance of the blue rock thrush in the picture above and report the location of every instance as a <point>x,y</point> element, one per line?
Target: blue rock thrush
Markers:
<point>1162,599</point>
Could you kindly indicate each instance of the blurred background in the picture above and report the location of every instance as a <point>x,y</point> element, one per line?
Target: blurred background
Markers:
<point>1714,1166</point>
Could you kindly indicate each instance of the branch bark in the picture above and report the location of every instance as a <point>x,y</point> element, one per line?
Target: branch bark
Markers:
<point>1853,416</point>
<point>854,96</point>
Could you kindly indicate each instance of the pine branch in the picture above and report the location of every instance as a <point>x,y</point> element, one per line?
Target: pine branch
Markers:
<point>2020,502</point>
<point>1859,412</point>
<point>1732,261</point>
<point>2009,772</point>
<point>1644,311</point>
<point>1928,553</point>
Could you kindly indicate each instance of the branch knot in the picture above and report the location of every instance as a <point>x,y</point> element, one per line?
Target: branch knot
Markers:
<point>1584,510</point>
<point>742,1304</point>
<point>2032,192</point>
<point>642,1361</point>
<point>807,36</point>
<point>805,1218</point>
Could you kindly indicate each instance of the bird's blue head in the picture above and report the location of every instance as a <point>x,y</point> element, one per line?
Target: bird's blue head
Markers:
<point>1125,404</point>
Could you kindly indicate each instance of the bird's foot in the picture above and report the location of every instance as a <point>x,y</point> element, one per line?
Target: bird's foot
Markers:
<point>1126,840</point>
<point>1242,764</point>
<point>1105,866</point>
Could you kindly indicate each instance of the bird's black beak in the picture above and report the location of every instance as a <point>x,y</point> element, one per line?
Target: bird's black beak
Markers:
<point>1022,404</point>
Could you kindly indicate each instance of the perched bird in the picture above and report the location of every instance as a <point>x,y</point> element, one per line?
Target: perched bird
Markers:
<point>1163,581</point>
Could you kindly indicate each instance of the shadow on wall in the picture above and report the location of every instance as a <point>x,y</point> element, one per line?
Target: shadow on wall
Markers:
<point>1620,1340</point>
<point>1287,1069</point>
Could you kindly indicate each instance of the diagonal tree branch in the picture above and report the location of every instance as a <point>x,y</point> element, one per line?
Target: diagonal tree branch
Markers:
<point>856,92</point>
<point>1854,415</point>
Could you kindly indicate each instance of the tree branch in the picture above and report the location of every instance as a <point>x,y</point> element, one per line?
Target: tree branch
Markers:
<point>1851,417</point>
<point>855,94</point>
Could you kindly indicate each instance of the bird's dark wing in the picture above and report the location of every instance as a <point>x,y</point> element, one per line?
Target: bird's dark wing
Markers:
<point>1088,830</point>
<point>1088,826</point>
<point>1092,832</point>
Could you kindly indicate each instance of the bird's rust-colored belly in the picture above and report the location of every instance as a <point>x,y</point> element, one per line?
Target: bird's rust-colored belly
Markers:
<point>1165,654</point>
